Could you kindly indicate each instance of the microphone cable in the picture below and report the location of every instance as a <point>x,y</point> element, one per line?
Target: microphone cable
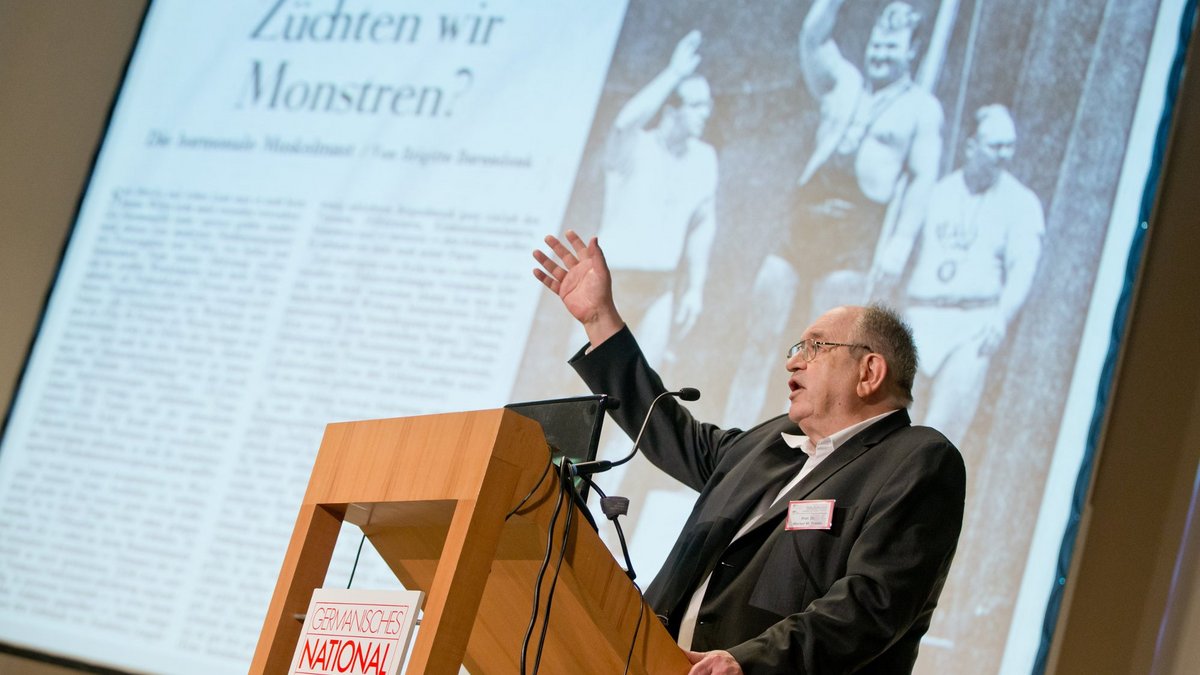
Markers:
<point>542,479</point>
<point>614,507</point>
<point>537,585</point>
<point>565,485</point>
<point>637,627</point>
<point>358,555</point>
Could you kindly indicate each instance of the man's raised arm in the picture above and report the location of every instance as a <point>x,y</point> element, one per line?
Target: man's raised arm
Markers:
<point>820,60</point>
<point>642,108</point>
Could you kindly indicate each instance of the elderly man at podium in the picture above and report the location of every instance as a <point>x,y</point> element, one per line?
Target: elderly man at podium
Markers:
<point>820,539</point>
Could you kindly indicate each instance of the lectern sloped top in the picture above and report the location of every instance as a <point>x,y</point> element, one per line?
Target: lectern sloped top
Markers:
<point>432,493</point>
<point>427,457</point>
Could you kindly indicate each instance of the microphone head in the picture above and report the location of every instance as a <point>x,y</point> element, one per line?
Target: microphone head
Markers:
<point>689,394</point>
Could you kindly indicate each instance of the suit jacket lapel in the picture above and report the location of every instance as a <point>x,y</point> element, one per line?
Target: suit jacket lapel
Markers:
<point>775,466</point>
<point>847,453</point>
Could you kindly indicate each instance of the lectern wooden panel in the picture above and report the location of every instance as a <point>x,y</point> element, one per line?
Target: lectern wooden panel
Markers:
<point>432,493</point>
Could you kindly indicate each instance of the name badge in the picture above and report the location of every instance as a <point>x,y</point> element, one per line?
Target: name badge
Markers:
<point>810,514</point>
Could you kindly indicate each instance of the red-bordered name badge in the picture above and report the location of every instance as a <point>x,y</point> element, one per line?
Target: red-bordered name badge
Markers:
<point>810,514</point>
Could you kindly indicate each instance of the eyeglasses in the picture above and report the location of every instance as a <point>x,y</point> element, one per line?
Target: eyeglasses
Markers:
<point>809,348</point>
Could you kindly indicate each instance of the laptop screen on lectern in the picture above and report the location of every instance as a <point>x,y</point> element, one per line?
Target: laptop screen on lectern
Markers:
<point>571,425</point>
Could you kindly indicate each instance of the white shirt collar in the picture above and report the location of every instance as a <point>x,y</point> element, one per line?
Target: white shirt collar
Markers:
<point>831,442</point>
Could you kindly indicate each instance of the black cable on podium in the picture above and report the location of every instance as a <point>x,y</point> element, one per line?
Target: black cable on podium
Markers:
<point>613,508</point>
<point>534,489</point>
<point>565,486</point>
<point>537,586</point>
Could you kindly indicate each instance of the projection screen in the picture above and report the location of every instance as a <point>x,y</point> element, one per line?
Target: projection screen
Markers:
<point>322,210</point>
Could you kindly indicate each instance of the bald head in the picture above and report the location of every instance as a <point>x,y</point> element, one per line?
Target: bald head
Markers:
<point>989,150</point>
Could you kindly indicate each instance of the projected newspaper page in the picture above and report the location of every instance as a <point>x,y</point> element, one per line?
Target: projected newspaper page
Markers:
<point>302,213</point>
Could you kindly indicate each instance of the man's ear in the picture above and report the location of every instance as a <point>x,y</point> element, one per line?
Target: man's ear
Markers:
<point>872,374</point>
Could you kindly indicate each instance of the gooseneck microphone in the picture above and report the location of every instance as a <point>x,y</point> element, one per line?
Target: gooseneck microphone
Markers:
<point>602,465</point>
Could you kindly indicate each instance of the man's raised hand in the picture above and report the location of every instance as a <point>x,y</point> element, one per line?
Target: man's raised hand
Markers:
<point>686,58</point>
<point>580,278</point>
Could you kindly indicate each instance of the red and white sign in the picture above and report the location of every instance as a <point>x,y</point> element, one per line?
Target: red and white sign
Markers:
<point>356,632</point>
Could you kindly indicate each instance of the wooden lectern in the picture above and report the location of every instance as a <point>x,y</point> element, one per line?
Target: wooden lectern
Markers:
<point>431,493</point>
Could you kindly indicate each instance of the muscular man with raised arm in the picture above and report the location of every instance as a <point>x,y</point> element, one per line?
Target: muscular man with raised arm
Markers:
<point>820,539</point>
<point>876,151</point>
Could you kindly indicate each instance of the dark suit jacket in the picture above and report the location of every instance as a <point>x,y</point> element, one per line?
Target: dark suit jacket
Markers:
<point>854,598</point>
